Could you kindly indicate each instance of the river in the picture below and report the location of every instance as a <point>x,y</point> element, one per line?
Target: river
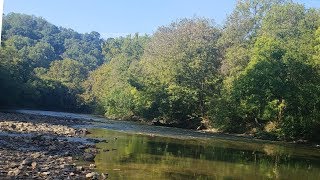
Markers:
<point>138,151</point>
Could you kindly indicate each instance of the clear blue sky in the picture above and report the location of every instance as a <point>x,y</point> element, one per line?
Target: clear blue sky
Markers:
<point>120,17</point>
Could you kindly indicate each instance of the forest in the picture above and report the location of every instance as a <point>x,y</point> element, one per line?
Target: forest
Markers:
<point>257,73</point>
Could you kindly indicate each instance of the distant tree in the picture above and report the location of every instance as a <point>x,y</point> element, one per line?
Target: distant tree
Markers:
<point>69,72</point>
<point>86,49</point>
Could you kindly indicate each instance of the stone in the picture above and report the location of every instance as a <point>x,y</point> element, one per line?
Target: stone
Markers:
<point>67,167</point>
<point>33,165</point>
<point>81,147</point>
<point>67,153</point>
<point>88,157</point>
<point>92,175</point>
<point>92,165</point>
<point>26,162</point>
<point>79,168</point>
<point>104,176</point>
<point>14,172</point>
<point>13,165</point>
<point>36,155</point>
<point>46,173</point>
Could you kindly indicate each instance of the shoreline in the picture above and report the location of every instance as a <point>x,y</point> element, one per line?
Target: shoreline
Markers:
<point>210,131</point>
<point>45,147</point>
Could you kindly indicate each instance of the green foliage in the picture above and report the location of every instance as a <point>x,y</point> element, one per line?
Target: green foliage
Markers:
<point>85,49</point>
<point>10,82</point>
<point>69,72</point>
<point>108,88</point>
<point>277,87</point>
<point>272,76</point>
<point>178,71</point>
<point>259,73</point>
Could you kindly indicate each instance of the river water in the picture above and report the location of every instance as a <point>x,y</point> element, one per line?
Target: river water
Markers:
<point>137,151</point>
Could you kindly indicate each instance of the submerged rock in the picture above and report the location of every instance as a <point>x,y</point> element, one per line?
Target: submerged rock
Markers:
<point>104,176</point>
<point>88,157</point>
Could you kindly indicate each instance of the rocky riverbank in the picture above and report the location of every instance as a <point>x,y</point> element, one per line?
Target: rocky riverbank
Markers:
<point>43,147</point>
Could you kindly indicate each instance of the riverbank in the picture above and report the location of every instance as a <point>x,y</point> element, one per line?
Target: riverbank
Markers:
<point>44,147</point>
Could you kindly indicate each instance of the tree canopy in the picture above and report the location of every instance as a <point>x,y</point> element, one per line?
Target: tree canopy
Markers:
<point>259,73</point>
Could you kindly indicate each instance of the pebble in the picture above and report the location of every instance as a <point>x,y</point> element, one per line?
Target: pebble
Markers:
<point>33,165</point>
<point>46,153</point>
<point>36,155</point>
<point>46,173</point>
<point>92,175</point>
<point>15,172</point>
<point>104,176</point>
<point>79,168</point>
<point>26,162</point>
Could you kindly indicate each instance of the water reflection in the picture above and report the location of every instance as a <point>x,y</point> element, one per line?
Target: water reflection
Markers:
<point>128,156</point>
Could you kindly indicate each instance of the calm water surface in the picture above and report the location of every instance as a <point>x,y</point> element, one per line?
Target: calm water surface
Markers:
<point>137,151</point>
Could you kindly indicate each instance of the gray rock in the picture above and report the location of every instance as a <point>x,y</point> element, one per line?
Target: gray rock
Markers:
<point>88,157</point>
<point>26,162</point>
<point>81,147</point>
<point>67,167</point>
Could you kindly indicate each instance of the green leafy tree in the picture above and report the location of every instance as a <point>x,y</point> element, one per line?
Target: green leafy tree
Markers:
<point>69,72</point>
<point>178,71</point>
<point>240,31</point>
<point>277,86</point>
<point>108,87</point>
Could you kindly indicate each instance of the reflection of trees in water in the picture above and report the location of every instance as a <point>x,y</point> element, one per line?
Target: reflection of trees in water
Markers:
<point>168,158</point>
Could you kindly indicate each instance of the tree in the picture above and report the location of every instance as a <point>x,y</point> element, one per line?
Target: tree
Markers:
<point>69,72</point>
<point>86,49</point>
<point>10,78</point>
<point>180,63</point>
<point>41,54</point>
<point>276,86</point>
<point>240,32</point>
<point>108,88</point>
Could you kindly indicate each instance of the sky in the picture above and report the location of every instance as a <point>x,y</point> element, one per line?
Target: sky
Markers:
<point>113,18</point>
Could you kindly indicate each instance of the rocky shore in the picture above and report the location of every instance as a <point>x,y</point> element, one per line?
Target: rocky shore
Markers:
<point>44,147</point>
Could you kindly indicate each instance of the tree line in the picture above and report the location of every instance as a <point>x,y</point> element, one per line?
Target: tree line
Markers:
<point>258,73</point>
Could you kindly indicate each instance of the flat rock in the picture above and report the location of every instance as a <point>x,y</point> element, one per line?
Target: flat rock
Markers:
<point>14,172</point>
<point>92,175</point>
